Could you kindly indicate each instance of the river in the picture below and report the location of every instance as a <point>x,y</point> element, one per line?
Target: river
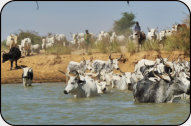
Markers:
<point>47,104</point>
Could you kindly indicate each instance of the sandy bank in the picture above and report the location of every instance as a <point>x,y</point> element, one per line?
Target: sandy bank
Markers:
<point>45,67</point>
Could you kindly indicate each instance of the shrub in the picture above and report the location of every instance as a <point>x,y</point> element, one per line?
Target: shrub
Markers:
<point>35,38</point>
<point>179,41</point>
<point>148,46</point>
<point>58,50</point>
<point>131,47</point>
<point>105,47</point>
<point>3,45</point>
<point>102,46</point>
<point>114,47</point>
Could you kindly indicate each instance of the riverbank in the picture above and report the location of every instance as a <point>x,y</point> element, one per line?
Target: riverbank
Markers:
<point>45,67</point>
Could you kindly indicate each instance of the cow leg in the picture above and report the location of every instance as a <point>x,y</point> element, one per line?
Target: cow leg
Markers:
<point>138,47</point>
<point>11,65</point>
<point>16,64</point>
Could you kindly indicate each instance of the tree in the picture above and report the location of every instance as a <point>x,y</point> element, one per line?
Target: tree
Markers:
<point>123,25</point>
<point>35,38</point>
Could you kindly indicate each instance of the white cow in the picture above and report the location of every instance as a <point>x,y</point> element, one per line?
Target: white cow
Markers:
<point>81,87</point>
<point>116,38</point>
<point>50,40</point>
<point>61,38</point>
<point>101,87</point>
<point>26,45</point>
<point>152,35</point>
<point>36,48</point>
<point>81,35</point>
<point>123,82</point>
<point>162,35</point>
<point>121,38</point>
<point>78,38</point>
<point>104,37</point>
<point>46,45</point>
<point>20,47</point>
<point>27,76</point>
<point>108,76</point>
<point>108,65</point>
<point>168,32</point>
<point>81,67</point>
<point>11,41</point>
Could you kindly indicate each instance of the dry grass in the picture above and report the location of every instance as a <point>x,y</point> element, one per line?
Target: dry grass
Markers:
<point>58,50</point>
<point>179,41</point>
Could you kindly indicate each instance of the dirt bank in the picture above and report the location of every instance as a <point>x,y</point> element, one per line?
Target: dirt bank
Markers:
<point>45,67</point>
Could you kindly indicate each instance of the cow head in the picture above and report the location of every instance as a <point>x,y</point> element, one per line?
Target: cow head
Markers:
<point>101,87</point>
<point>178,87</point>
<point>114,62</point>
<point>5,57</point>
<point>27,73</point>
<point>74,84</point>
<point>127,77</point>
<point>89,65</point>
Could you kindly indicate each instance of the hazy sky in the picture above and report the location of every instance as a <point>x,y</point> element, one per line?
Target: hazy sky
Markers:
<point>66,17</point>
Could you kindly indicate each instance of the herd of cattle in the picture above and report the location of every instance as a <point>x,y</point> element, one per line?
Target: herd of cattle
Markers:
<point>78,40</point>
<point>152,81</point>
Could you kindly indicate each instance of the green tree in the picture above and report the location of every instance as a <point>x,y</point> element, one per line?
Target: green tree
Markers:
<point>35,38</point>
<point>123,25</point>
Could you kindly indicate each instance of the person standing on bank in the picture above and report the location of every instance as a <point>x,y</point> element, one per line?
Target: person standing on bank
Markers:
<point>87,40</point>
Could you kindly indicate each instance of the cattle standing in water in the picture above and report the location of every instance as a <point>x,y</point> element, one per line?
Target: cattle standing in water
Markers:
<point>101,87</point>
<point>81,87</point>
<point>13,55</point>
<point>123,82</point>
<point>27,76</point>
<point>161,91</point>
<point>79,67</point>
<point>109,65</point>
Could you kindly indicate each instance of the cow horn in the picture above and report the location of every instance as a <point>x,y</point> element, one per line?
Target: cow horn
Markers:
<point>77,74</point>
<point>110,57</point>
<point>120,57</point>
<point>155,64</point>
<point>84,58</point>
<point>145,64</point>
<point>173,71</point>
<point>168,57</point>
<point>121,71</point>
<point>156,75</point>
<point>173,60</point>
<point>62,72</point>
<point>91,58</point>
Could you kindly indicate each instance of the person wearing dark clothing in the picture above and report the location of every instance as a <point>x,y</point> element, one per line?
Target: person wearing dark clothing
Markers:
<point>137,28</point>
<point>87,39</point>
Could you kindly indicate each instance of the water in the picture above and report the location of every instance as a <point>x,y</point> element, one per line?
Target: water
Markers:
<point>47,104</point>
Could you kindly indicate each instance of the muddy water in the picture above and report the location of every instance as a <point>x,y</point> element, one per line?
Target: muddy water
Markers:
<point>47,104</point>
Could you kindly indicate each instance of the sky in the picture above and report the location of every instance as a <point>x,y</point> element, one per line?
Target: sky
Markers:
<point>77,16</point>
